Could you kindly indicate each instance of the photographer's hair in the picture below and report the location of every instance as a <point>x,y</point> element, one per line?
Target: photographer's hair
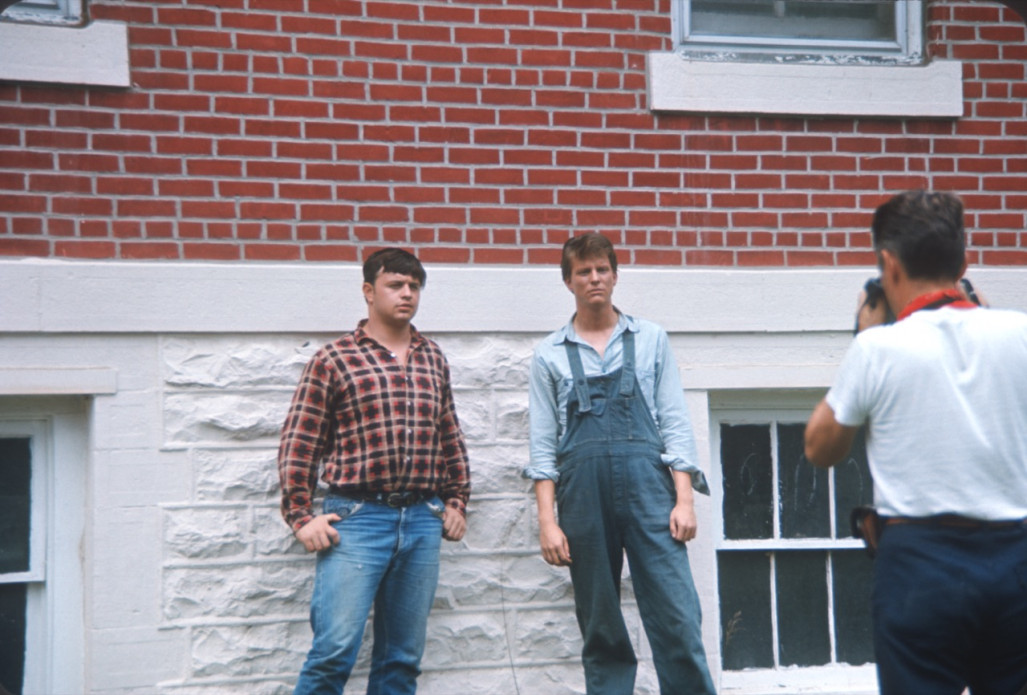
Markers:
<point>584,246</point>
<point>924,230</point>
<point>393,260</point>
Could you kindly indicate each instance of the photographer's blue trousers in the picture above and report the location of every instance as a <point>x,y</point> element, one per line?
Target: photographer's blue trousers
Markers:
<point>614,496</point>
<point>950,610</point>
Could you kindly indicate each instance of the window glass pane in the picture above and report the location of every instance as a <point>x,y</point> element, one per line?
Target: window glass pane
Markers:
<point>852,485</point>
<point>804,489</point>
<point>12,637</point>
<point>803,635</point>
<point>809,20</point>
<point>748,481</point>
<point>15,490</point>
<point>852,575</point>
<point>746,632</point>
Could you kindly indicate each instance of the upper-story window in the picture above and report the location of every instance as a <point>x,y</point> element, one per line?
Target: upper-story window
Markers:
<point>802,30</point>
<point>803,57</point>
<point>43,11</point>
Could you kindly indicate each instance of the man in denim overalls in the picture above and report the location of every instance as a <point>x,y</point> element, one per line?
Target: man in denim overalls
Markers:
<point>612,446</point>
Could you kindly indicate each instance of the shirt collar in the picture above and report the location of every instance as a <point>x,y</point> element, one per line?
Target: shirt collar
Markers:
<point>939,298</point>
<point>567,334</point>
<point>361,336</point>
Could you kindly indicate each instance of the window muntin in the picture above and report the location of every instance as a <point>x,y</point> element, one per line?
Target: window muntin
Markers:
<point>793,584</point>
<point>802,30</point>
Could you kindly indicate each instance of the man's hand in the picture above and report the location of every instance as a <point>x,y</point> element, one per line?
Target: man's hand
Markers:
<point>318,534</point>
<point>867,316</point>
<point>682,522</point>
<point>555,549</point>
<point>454,525</point>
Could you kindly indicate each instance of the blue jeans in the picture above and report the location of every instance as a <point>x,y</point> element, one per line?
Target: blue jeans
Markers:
<point>386,557</point>
<point>950,610</point>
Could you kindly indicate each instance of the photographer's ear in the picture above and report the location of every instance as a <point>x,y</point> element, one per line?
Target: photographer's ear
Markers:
<point>892,271</point>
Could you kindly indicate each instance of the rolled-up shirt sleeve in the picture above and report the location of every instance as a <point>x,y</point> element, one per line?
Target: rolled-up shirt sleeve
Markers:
<point>672,417</point>
<point>544,420</point>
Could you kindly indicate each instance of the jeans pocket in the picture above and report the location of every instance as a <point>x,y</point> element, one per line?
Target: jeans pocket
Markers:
<point>436,507</point>
<point>343,507</point>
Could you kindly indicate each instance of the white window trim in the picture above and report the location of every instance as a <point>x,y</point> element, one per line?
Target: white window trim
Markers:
<point>94,54</point>
<point>677,84</point>
<point>736,83</point>
<point>746,406</point>
<point>55,603</point>
<point>38,434</point>
<point>906,48</point>
<point>46,12</point>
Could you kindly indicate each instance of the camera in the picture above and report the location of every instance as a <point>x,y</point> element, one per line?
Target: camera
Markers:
<point>874,294</point>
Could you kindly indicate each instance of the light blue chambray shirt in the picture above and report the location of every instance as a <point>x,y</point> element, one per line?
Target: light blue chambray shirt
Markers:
<point>551,383</point>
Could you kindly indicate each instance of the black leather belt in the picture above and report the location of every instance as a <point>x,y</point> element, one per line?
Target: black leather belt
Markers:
<point>389,499</point>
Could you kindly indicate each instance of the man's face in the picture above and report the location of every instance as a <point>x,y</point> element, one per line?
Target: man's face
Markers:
<point>592,281</point>
<point>393,298</point>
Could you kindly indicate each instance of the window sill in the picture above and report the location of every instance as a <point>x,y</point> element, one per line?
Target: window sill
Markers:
<point>95,54</point>
<point>49,381</point>
<point>676,84</point>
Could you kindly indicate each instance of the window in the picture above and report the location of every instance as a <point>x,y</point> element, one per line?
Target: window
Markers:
<point>51,41</point>
<point>22,554</point>
<point>42,517</point>
<point>802,57</point>
<point>794,585</point>
<point>803,29</point>
<point>43,11</point>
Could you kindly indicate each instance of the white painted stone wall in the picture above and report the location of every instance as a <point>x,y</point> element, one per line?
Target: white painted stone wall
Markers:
<point>191,582</point>
<point>238,586</point>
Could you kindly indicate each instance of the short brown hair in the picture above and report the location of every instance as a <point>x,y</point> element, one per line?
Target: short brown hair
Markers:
<point>587,245</point>
<point>925,231</point>
<point>394,260</point>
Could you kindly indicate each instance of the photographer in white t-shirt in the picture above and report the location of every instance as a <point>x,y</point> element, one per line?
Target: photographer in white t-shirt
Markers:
<point>942,392</point>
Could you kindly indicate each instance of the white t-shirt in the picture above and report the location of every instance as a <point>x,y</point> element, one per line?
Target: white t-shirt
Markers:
<point>944,396</point>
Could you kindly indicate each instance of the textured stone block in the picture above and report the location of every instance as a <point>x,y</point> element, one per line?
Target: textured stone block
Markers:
<point>206,534</point>
<point>234,363</point>
<point>214,417</point>
<point>236,475</point>
<point>237,591</point>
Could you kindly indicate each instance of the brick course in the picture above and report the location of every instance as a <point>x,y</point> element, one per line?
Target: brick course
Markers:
<point>478,133</point>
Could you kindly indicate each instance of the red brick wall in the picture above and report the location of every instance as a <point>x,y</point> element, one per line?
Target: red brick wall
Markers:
<point>477,132</point>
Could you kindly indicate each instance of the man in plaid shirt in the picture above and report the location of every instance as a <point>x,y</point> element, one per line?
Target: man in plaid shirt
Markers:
<point>376,409</point>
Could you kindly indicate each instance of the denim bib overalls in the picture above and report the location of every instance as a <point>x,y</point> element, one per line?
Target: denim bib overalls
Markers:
<point>615,496</point>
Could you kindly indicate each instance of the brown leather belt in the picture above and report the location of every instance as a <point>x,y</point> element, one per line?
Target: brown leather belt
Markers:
<point>954,520</point>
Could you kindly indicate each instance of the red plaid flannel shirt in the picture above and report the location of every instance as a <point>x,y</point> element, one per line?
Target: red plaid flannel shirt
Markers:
<point>377,425</point>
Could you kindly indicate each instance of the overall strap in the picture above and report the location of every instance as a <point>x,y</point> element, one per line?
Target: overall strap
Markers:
<point>627,370</point>
<point>578,372</point>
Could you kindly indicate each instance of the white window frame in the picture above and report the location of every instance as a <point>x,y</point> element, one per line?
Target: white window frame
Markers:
<point>907,47</point>
<point>746,407</point>
<point>37,432</point>
<point>46,12</point>
<point>55,624</point>
<point>725,79</point>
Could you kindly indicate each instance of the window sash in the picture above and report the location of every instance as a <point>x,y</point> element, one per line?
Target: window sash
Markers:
<point>37,431</point>
<point>847,639</point>
<point>904,39</point>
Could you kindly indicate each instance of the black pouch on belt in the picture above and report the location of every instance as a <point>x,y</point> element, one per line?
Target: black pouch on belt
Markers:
<point>867,524</point>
